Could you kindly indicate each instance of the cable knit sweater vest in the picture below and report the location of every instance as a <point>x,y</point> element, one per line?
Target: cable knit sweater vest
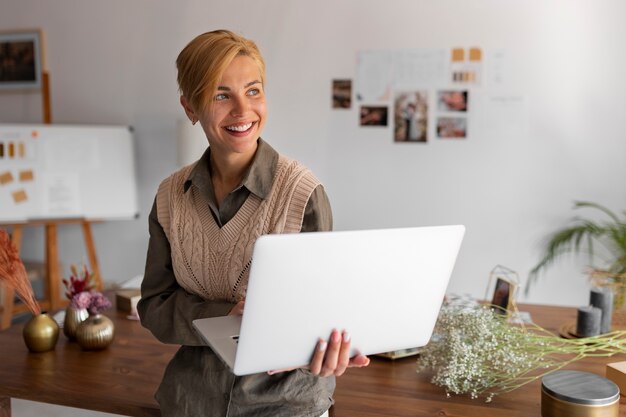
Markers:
<point>214,262</point>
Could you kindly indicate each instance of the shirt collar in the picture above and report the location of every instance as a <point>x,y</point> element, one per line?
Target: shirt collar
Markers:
<point>257,179</point>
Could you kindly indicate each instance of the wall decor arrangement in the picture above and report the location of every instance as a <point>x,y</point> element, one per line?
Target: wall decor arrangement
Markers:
<point>417,93</point>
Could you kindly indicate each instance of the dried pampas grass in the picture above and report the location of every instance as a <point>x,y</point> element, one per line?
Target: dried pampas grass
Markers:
<point>13,273</point>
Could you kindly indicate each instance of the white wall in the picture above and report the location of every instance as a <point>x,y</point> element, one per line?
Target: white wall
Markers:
<point>113,63</point>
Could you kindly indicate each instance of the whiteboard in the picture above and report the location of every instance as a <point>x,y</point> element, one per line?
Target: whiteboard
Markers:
<point>66,171</point>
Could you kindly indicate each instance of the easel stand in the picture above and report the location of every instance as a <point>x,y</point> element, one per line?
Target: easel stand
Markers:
<point>53,299</point>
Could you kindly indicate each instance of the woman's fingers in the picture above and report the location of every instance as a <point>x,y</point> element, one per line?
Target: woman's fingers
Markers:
<point>318,357</point>
<point>343,360</point>
<point>332,354</point>
<point>359,361</point>
<point>237,310</point>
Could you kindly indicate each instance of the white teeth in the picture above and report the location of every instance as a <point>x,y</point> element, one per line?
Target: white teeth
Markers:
<point>241,128</point>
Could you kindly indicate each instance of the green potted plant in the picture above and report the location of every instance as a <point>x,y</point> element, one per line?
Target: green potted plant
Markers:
<point>608,266</point>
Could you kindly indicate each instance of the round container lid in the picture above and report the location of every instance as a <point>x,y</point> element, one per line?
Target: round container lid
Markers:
<point>580,387</point>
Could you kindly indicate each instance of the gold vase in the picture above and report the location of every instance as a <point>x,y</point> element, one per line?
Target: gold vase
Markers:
<point>73,317</point>
<point>41,333</point>
<point>95,332</point>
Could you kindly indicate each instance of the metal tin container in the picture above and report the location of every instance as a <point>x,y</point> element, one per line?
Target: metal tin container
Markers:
<point>578,394</point>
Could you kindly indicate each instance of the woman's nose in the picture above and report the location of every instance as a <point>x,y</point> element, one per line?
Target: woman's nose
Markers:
<point>240,106</point>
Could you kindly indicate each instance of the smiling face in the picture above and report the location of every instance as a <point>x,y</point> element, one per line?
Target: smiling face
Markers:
<point>235,115</point>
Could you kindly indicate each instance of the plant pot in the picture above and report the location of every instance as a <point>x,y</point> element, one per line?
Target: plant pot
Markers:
<point>95,332</point>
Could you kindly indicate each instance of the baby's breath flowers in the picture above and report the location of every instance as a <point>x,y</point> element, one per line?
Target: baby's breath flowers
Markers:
<point>476,351</point>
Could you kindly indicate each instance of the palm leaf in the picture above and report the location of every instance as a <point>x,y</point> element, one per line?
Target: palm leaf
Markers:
<point>584,233</point>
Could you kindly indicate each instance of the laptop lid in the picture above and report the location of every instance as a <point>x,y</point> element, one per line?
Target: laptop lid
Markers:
<point>384,286</point>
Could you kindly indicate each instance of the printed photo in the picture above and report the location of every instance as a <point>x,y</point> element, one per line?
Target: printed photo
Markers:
<point>451,127</point>
<point>501,295</point>
<point>452,101</point>
<point>374,115</point>
<point>342,94</point>
<point>411,117</point>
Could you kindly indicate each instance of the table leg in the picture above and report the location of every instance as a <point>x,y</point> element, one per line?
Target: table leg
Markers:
<point>5,407</point>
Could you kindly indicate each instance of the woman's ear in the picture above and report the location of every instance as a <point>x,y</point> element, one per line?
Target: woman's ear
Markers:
<point>191,114</point>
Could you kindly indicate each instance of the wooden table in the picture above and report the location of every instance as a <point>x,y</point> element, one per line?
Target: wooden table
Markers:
<point>123,378</point>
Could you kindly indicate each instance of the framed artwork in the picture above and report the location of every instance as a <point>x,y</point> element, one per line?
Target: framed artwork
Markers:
<point>502,289</point>
<point>21,56</point>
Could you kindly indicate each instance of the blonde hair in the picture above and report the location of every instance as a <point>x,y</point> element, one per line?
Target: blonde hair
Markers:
<point>203,61</point>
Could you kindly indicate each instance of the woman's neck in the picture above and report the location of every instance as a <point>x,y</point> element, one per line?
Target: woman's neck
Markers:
<point>227,173</point>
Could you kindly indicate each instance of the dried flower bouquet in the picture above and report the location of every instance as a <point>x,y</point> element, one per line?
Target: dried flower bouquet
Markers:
<point>476,351</point>
<point>13,273</point>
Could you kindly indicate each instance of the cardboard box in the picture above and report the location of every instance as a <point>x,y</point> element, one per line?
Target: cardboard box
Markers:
<point>127,299</point>
<point>616,372</point>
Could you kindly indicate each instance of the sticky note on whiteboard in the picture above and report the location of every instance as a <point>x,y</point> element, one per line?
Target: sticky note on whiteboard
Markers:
<point>19,196</point>
<point>27,175</point>
<point>6,177</point>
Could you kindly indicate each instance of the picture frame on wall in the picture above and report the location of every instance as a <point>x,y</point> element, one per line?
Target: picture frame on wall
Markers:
<point>21,60</point>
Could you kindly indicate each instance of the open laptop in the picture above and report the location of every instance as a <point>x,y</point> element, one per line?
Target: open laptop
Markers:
<point>385,287</point>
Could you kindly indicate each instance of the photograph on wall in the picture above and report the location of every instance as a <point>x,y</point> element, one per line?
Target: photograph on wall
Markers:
<point>451,127</point>
<point>342,94</point>
<point>20,60</point>
<point>411,117</point>
<point>452,101</point>
<point>373,115</point>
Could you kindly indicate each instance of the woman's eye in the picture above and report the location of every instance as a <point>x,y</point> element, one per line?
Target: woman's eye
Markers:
<point>220,97</point>
<point>253,92</point>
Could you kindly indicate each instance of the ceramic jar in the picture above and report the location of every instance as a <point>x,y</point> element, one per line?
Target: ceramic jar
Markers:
<point>95,332</point>
<point>41,333</point>
<point>73,317</point>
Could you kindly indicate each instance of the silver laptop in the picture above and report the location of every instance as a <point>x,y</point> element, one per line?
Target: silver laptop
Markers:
<point>385,287</point>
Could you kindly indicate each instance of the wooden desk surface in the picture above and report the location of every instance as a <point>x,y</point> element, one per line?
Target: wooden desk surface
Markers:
<point>123,378</point>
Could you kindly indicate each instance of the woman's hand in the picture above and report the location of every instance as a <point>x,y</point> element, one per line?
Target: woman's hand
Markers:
<point>332,357</point>
<point>237,310</point>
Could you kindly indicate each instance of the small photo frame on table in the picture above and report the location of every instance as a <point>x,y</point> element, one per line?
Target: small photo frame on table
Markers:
<point>502,289</point>
<point>21,60</point>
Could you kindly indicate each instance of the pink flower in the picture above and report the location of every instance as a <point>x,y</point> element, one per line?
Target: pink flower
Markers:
<point>94,301</point>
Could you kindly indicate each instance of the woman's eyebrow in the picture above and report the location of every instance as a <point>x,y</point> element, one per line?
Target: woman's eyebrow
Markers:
<point>251,83</point>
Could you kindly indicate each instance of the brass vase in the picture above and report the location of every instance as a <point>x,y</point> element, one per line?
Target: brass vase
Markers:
<point>95,332</point>
<point>41,333</point>
<point>73,317</point>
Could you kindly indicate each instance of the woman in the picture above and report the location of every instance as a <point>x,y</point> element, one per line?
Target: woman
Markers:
<point>203,225</point>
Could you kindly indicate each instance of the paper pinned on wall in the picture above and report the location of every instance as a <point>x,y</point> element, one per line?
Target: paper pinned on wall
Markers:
<point>374,76</point>
<point>379,73</point>
<point>417,68</point>
<point>466,68</point>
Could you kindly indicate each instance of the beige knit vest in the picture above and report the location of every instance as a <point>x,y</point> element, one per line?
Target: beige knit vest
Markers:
<point>214,262</point>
